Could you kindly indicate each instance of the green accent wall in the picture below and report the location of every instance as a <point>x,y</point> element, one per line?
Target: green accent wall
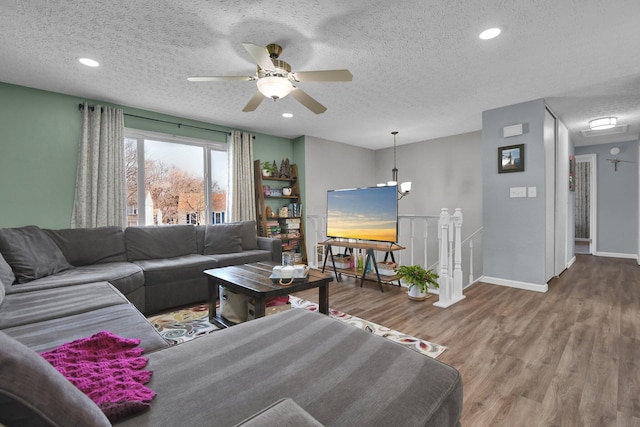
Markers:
<point>39,135</point>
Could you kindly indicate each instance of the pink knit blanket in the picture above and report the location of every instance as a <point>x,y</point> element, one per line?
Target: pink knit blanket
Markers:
<point>108,369</point>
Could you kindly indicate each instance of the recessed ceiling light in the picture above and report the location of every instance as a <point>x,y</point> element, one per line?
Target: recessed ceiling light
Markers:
<point>490,33</point>
<point>287,115</point>
<point>89,62</point>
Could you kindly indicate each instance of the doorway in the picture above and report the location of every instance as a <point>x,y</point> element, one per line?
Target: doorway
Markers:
<point>586,203</point>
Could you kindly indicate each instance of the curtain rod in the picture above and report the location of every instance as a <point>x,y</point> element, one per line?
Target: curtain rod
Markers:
<point>80,106</point>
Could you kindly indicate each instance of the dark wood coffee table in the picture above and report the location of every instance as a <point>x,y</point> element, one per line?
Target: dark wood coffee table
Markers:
<point>253,280</point>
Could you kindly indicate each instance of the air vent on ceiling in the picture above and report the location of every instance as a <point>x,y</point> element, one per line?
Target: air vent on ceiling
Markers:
<point>615,129</point>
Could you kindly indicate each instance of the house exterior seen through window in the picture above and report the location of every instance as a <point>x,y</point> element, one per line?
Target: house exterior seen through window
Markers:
<point>174,180</point>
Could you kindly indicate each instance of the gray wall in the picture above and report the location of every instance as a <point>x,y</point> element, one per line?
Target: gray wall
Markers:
<point>514,228</point>
<point>331,165</point>
<point>617,194</point>
<point>445,173</point>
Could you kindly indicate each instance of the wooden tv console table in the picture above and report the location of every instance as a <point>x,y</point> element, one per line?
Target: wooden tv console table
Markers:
<point>370,248</point>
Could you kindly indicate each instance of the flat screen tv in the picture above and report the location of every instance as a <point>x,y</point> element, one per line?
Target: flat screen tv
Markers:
<point>369,213</point>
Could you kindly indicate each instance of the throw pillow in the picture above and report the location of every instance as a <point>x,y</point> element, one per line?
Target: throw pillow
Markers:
<point>160,241</point>
<point>249,235</point>
<point>31,253</point>
<point>88,246</point>
<point>223,239</point>
<point>6,273</point>
<point>32,392</point>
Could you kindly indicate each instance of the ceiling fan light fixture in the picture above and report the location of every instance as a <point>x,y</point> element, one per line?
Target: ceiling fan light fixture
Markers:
<point>602,123</point>
<point>274,87</point>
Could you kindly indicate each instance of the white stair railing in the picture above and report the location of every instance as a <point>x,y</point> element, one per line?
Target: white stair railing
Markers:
<point>450,256</point>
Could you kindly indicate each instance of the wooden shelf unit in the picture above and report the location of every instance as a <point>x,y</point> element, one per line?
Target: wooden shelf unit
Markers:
<point>369,248</point>
<point>275,202</point>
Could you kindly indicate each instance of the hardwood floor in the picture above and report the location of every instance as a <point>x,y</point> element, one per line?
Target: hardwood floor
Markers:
<point>567,357</point>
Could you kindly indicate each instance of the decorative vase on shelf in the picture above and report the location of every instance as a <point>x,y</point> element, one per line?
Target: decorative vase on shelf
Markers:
<point>286,191</point>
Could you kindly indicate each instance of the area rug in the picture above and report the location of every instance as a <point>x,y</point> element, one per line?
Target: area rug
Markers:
<point>183,325</point>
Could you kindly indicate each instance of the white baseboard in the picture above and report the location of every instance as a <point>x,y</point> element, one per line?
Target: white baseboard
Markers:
<point>515,284</point>
<point>571,261</point>
<point>616,255</point>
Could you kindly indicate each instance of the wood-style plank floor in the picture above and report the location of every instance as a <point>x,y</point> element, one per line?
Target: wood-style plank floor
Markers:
<point>567,357</point>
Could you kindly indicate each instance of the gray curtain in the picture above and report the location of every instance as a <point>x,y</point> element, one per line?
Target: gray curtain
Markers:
<point>100,180</point>
<point>241,196</point>
<point>583,170</point>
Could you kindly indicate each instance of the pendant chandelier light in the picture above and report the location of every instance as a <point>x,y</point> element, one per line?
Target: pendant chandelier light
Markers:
<point>405,187</point>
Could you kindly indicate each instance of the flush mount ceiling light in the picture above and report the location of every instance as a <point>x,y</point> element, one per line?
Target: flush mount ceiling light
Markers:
<point>287,115</point>
<point>275,87</point>
<point>490,33</point>
<point>89,62</point>
<point>603,123</point>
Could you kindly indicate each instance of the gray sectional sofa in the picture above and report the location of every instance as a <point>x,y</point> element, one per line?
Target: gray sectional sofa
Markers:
<point>155,267</point>
<point>293,368</point>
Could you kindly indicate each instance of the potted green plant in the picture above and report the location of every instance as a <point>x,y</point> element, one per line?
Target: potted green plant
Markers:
<point>268,169</point>
<point>417,279</point>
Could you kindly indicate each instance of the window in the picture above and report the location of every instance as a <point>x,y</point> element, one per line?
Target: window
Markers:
<point>168,178</point>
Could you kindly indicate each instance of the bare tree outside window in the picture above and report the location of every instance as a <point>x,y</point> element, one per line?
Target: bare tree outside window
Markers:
<point>173,184</point>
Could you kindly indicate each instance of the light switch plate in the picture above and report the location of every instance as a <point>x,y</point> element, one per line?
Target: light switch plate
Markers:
<point>531,191</point>
<point>517,192</point>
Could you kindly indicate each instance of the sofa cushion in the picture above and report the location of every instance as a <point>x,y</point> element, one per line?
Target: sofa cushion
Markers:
<point>85,246</point>
<point>125,276</point>
<point>160,271</point>
<point>32,392</point>
<point>249,235</point>
<point>123,320</point>
<point>6,273</point>
<point>29,307</point>
<point>160,241</point>
<point>283,413</point>
<point>222,239</point>
<point>31,253</point>
<point>244,257</point>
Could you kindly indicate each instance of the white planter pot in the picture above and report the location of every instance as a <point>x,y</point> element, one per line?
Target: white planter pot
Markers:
<point>415,294</point>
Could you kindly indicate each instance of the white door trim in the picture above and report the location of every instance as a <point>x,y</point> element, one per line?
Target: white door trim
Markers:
<point>593,196</point>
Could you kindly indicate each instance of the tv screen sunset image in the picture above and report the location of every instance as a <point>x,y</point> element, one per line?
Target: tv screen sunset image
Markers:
<point>363,214</point>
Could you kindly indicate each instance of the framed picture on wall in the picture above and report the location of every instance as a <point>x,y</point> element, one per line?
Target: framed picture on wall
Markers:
<point>511,158</point>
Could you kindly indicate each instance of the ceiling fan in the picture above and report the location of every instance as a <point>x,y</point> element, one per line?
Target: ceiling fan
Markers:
<point>275,79</point>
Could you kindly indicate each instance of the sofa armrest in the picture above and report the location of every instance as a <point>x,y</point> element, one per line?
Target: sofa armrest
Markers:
<point>272,245</point>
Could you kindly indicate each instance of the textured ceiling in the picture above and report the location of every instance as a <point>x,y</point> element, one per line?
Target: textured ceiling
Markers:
<point>418,65</point>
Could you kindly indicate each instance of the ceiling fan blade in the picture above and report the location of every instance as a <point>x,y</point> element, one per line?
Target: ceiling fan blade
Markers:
<point>308,101</point>
<point>253,102</point>
<point>323,76</point>
<point>259,55</point>
<point>219,78</point>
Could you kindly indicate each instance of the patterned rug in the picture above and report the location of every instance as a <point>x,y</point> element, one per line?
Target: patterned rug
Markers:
<point>183,325</point>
